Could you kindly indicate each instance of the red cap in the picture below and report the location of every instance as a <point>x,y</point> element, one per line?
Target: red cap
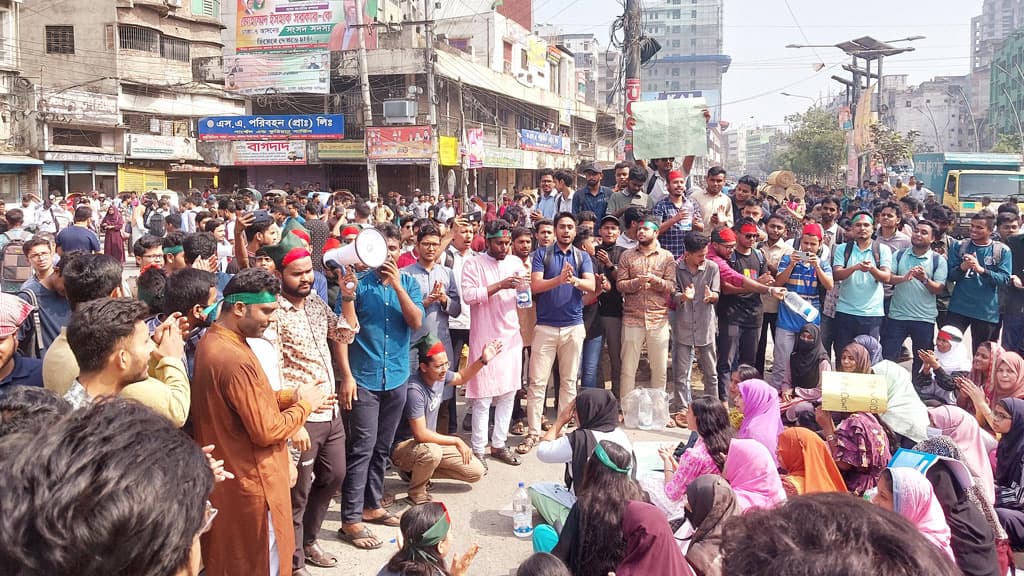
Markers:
<point>723,235</point>
<point>302,234</point>
<point>675,175</point>
<point>749,228</point>
<point>814,230</point>
<point>331,244</point>
<point>350,231</point>
<point>293,255</point>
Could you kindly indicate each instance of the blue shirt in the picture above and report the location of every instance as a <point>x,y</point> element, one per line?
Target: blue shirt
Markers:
<point>911,300</point>
<point>75,238</point>
<point>974,295</point>
<point>379,356</point>
<point>861,294</point>
<point>562,306</point>
<point>584,200</point>
<point>26,372</point>
<point>547,205</point>
<point>804,281</point>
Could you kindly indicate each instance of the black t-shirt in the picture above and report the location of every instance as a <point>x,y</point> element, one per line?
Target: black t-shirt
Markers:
<point>744,309</point>
<point>610,303</point>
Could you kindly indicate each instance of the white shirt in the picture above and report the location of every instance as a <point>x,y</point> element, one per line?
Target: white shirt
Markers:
<point>462,321</point>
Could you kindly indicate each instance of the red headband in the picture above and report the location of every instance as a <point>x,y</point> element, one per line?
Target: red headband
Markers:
<point>148,267</point>
<point>331,244</point>
<point>436,349</point>
<point>727,235</point>
<point>675,175</point>
<point>749,228</point>
<point>350,231</point>
<point>302,234</point>
<point>947,336</point>
<point>293,255</point>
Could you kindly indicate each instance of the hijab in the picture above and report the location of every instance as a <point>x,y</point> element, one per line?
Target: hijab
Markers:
<point>804,455</point>
<point>972,538</point>
<point>805,361</point>
<point>870,343</point>
<point>750,470</point>
<point>861,358</point>
<point>863,444</point>
<point>962,428</point>
<point>762,420</point>
<point>914,499</point>
<point>906,414</point>
<point>986,375</point>
<point>650,545</point>
<point>958,359</point>
<point>596,410</point>
<point>1011,446</point>
<point>1013,390</point>
<point>711,502</point>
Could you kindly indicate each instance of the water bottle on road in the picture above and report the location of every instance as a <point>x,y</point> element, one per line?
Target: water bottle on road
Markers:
<point>522,512</point>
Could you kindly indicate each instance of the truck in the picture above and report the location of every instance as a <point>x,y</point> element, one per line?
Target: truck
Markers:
<point>968,182</point>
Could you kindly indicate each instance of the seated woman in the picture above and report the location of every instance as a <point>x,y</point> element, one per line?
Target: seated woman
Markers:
<point>908,493</point>
<point>708,418</point>
<point>983,371</point>
<point>979,547</point>
<point>743,372</point>
<point>750,471</point>
<point>951,359</point>
<point>859,446</point>
<point>808,464</point>
<point>973,442</point>
<point>1006,381</point>
<point>592,543</point>
<point>650,545</point>
<point>759,403</point>
<point>709,503</point>
<point>803,392</point>
<point>597,413</point>
<point>1009,421</point>
<point>425,543</point>
<point>906,417</point>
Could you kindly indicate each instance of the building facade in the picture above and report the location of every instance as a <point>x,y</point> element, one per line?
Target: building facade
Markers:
<point>938,110</point>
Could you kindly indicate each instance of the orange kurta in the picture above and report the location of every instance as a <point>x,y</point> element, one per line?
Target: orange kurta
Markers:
<point>234,408</point>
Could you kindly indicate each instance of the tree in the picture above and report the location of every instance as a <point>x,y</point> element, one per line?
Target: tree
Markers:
<point>1007,144</point>
<point>888,146</point>
<point>814,148</point>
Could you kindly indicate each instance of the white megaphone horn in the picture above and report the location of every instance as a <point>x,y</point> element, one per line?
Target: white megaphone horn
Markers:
<point>369,248</point>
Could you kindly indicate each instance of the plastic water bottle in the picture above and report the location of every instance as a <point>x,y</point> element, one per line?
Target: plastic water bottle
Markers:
<point>687,223</point>
<point>646,412</point>
<point>801,307</point>
<point>524,295</point>
<point>522,513</point>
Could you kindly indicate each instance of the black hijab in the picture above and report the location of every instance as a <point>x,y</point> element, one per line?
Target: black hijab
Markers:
<point>805,361</point>
<point>1010,452</point>
<point>596,410</point>
<point>974,545</point>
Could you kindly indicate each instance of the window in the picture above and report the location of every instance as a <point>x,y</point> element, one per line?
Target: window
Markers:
<point>909,104</point>
<point>210,8</point>
<point>74,137</point>
<point>174,49</point>
<point>693,14</point>
<point>60,39</point>
<point>675,71</point>
<point>138,38</point>
<point>693,72</point>
<point>524,59</point>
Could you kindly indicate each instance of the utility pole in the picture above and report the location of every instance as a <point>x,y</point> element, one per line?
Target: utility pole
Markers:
<point>364,85</point>
<point>435,177</point>
<point>632,31</point>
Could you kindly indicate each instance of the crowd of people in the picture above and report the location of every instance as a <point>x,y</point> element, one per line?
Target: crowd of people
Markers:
<point>297,376</point>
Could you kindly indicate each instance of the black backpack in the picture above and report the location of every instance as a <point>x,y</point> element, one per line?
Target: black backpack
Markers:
<point>155,223</point>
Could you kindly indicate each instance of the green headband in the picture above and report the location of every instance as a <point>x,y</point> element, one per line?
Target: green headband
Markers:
<point>499,234</point>
<point>603,457</point>
<point>251,298</point>
<point>652,226</point>
<point>432,537</point>
<point>174,249</point>
<point>862,216</point>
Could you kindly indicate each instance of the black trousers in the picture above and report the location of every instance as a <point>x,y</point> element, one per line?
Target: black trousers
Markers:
<point>371,431</point>
<point>321,472</point>
<point>981,331</point>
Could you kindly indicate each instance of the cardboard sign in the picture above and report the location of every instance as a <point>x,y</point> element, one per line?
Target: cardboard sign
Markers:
<point>846,392</point>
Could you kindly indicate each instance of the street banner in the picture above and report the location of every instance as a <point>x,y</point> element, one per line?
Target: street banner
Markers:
<point>669,128</point>
<point>268,153</point>
<point>270,25</point>
<point>351,150</point>
<point>282,73</point>
<point>298,127</point>
<point>475,147</point>
<point>543,142</point>
<point>399,144</point>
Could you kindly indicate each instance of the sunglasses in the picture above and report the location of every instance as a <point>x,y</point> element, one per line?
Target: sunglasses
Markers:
<point>751,236</point>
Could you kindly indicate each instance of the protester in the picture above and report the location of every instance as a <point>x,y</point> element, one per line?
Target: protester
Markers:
<point>907,492</point>
<point>45,292</point>
<point>78,237</point>
<point>862,265</point>
<point>697,290</point>
<point>15,369</point>
<point>710,502</point>
<point>973,442</point>
<point>936,380</point>
<point>977,266</point>
<point>808,463</point>
<point>906,417</point>
<point>807,363</point>
<point>1008,420</point>
<point>1005,379</point>
<point>650,545</point>
<point>426,540</point>
<point>542,564</point>
<point>759,403</point>
<point>774,248</point>
<point>29,409</point>
<point>608,255</point>
<point>751,472</point>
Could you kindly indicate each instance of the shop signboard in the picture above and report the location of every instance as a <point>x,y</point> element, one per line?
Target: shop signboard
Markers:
<point>268,153</point>
<point>295,127</point>
<point>351,150</point>
<point>543,142</point>
<point>78,106</point>
<point>154,147</point>
<point>400,144</point>
<point>83,157</point>
<point>449,151</point>
<point>269,25</point>
<point>283,73</point>
<point>502,158</point>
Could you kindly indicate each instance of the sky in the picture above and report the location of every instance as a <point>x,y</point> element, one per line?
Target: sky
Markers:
<point>757,32</point>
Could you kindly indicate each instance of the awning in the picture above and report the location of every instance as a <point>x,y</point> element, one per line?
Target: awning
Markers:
<point>18,159</point>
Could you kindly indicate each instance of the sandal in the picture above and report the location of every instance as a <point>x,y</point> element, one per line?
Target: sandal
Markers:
<point>506,456</point>
<point>388,500</point>
<point>519,428</point>
<point>359,538</point>
<point>527,444</point>
<point>421,500</point>
<point>388,519</point>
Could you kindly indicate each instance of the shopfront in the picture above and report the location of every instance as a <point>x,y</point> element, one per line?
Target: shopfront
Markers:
<point>17,176</point>
<point>67,172</point>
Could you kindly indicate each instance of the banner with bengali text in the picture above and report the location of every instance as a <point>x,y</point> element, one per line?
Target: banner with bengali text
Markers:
<point>269,25</point>
<point>400,144</point>
<point>285,73</point>
<point>268,153</point>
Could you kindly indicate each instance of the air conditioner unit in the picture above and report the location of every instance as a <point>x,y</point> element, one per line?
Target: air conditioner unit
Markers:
<point>400,112</point>
<point>173,3</point>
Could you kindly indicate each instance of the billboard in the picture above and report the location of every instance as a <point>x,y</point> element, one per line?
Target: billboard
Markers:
<point>351,150</point>
<point>297,127</point>
<point>281,72</point>
<point>543,142</point>
<point>475,147</point>
<point>400,144</point>
<point>269,25</point>
<point>77,106</point>
<point>448,151</point>
<point>268,153</point>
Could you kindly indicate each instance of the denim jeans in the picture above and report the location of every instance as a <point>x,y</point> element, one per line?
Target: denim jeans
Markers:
<point>894,332</point>
<point>372,423</point>
<point>1013,331</point>
<point>846,327</point>
<point>591,362</point>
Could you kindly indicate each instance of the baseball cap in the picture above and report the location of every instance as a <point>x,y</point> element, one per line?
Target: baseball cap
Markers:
<point>813,229</point>
<point>610,218</point>
<point>13,312</point>
<point>589,167</point>
<point>723,236</point>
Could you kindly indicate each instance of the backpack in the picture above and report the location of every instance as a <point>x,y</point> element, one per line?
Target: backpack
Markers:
<point>899,258</point>
<point>155,223</point>
<point>577,258</point>
<point>14,265</point>
<point>32,347</point>
<point>734,258</point>
<point>997,250</point>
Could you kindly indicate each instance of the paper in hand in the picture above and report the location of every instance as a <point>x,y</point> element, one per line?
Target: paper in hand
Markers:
<point>669,128</point>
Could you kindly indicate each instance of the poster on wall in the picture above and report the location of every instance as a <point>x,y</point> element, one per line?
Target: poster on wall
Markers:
<point>400,144</point>
<point>448,151</point>
<point>475,147</point>
<point>268,153</point>
<point>285,73</point>
<point>543,142</point>
<point>269,25</point>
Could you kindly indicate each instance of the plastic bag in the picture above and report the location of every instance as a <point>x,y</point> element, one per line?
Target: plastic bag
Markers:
<point>645,408</point>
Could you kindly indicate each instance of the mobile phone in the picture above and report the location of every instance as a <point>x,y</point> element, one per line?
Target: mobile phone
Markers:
<point>471,216</point>
<point>801,255</point>
<point>682,447</point>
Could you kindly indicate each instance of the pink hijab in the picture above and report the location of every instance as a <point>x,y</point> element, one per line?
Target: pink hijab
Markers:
<point>963,428</point>
<point>762,420</point>
<point>751,472</point>
<point>914,499</point>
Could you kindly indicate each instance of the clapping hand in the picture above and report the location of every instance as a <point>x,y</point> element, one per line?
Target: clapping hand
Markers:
<point>709,296</point>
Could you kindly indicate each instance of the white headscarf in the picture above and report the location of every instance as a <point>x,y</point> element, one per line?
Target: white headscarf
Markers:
<point>958,359</point>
